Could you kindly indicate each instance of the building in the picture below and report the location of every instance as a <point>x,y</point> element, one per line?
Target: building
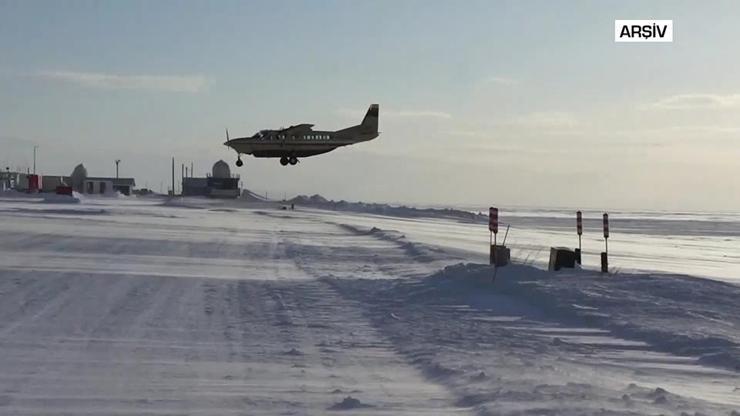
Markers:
<point>78,181</point>
<point>12,180</point>
<point>50,183</point>
<point>220,183</point>
<point>77,178</point>
<point>195,186</point>
<point>101,185</point>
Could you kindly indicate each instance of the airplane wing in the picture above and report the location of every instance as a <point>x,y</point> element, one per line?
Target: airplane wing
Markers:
<point>298,128</point>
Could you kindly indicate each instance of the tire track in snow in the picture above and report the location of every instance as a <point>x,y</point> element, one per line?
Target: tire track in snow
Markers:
<point>131,344</point>
<point>443,343</point>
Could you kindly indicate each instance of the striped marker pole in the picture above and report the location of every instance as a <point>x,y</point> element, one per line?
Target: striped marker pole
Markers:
<point>493,220</point>
<point>493,228</point>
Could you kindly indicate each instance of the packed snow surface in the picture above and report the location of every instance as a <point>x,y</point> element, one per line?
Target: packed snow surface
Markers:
<point>145,306</point>
<point>700,244</point>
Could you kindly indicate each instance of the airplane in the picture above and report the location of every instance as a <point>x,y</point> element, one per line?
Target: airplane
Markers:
<point>302,141</point>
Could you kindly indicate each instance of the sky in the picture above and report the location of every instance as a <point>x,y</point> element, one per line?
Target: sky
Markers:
<point>527,103</point>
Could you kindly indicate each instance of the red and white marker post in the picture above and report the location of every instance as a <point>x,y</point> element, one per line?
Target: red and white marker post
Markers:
<point>493,220</point>
<point>493,228</point>
<point>605,254</point>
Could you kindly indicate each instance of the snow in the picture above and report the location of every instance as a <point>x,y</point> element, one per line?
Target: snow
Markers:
<point>706,245</point>
<point>131,306</point>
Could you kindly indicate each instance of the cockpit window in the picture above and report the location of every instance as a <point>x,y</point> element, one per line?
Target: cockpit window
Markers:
<point>262,134</point>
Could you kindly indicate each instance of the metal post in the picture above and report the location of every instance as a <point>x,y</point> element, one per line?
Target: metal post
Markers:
<point>490,248</point>
<point>117,162</point>
<point>579,231</point>
<point>605,254</point>
<point>173,176</point>
<point>495,258</point>
<point>493,228</point>
<point>34,158</point>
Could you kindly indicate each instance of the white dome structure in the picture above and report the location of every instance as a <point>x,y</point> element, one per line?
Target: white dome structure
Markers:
<point>77,179</point>
<point>221,170</point>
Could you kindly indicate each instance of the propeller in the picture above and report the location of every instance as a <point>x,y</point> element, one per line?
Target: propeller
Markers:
<point>227,135</point>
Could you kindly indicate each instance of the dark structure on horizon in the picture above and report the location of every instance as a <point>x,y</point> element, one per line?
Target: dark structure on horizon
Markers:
<point>219,184</point>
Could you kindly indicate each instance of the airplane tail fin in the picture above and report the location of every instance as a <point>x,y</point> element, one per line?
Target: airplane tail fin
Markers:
<point>371,117</point>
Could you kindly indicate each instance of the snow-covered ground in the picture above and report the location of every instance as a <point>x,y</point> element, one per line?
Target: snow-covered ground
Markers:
<point>140,306</point>
<point>705,245</point>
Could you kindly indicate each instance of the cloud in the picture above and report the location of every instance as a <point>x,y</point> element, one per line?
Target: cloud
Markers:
<point>674,133</point>
<point>419,114</point>
<point>541,123</point>
<point>696,101</point>
<point>468,133</point>
<point>546,120</point>
<point>397,113</point>
<point>169,83</point>
<point>501,81</point>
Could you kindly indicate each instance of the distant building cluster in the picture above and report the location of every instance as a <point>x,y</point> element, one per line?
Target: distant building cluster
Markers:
<point>219,184</point>
<point>78,181</point>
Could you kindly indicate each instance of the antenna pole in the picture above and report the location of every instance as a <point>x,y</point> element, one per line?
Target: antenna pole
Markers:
<point>34,158</point>
<point>173,176</point>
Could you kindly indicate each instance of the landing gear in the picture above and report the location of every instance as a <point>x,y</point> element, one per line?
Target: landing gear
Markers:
<point>288,159</point>
<point>239,162</point>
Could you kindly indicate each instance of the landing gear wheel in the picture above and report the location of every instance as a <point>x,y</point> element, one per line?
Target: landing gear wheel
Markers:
<point>239,162</point>
<point>284,161</point>
<point>293,160</point>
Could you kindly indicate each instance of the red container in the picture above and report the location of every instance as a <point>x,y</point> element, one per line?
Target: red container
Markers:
<point>34,183</point>
<point>64,190</point>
